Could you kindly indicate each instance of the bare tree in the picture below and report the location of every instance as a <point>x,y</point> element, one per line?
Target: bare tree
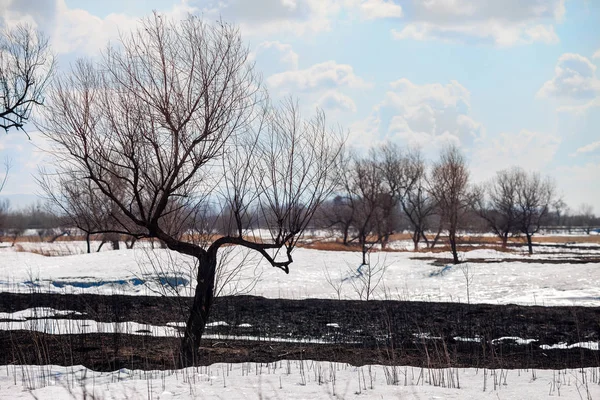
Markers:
<point>534,197</point>
<point>374,185</point>
<point>497,201</point>
<point>586,217</point>
<point>397,170</point>
<point>337,214</point>
<point>561,210</point>
<point>365,191</point>
<point>26,66</point>
<point>174,117</point>
<point>73,198</point>
<point>449,185</point>
<point>416,202</point>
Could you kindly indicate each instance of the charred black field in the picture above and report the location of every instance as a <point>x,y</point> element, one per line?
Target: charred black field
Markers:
<point>257,329</point>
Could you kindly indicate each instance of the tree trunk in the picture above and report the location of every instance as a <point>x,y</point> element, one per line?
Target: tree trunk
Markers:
<point>101,244</point>
<point>529,245</point>
<point>199,312</point>
<point>87,242</point>
<point>129,244</point>
<point>385,240</point>
<point>437,237</point>
<point>504,239</point>
<point>424,237</point>
<point>115,244</point>
<point>452,238</point>
<point>345,239</point>
<point>415,239</point>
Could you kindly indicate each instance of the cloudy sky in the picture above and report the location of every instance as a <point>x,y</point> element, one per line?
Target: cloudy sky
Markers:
<point>512,82</point>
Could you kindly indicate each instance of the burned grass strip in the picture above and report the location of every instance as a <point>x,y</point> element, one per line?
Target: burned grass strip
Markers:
<point>357,332</point>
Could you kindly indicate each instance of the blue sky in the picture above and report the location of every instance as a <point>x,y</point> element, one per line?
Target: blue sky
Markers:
<point>514,82</point>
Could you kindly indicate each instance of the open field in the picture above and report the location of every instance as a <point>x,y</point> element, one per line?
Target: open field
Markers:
<point>431,329</point>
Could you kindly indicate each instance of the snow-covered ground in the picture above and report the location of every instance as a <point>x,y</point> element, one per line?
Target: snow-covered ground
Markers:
<point>298,379</point>
<point>407,276</point>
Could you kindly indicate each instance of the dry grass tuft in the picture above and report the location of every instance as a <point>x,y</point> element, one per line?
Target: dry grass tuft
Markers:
<point>329,246</point>
<point>565,239</point>
<point>48,252</point>
<point>42,252</point>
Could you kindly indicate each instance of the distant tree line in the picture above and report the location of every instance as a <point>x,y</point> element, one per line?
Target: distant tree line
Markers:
<point>391,190</point>
<point>387,191</point>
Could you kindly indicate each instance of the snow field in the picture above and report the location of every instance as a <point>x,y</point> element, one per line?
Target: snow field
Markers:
<point>407,276</point>
<point>297,379</point>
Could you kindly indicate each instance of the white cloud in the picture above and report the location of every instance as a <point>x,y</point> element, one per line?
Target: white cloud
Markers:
<point>78,30</point>
<point>365,133</point>
<point>541,33</point>
<point>401,130</point>
<point>374,9</point>
<point>504,23</point>
<point>285,53</point>
<point>407,94</point>
<point>13,12</point>
<point>427,116</point>
<point>473,10</point>
<point>73,29</point>
<point>492,31</point>
<point>298,17</point>
<point>580,109</point>
<point>574,78</point>
<point>327,75</point>
<point>530,150</point>
<point>336,101</point>
<point>271,16</point>
<point>596,54</point>
<point>589,148</point>
<point>431,113</point>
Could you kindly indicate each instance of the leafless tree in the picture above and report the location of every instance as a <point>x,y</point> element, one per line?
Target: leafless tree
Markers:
<point>374,185</point>
<point>449,185</point>
<point>586,217</point>
<point>337,214</point>
<point>397,170</point>
<point>174,117</point>
<point>496,203</point>
<point>26,66</point>
<point>416,202</point>
<point>74,198</point>
<point>365,192</point>
<point>534,197</point>
<point>561,210</point>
